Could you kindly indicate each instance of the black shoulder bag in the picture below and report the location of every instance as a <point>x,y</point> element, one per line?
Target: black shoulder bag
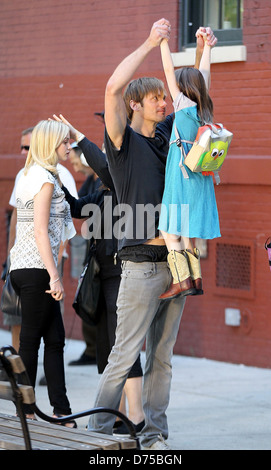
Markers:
<point>10,301</point>
<point>87,293</point>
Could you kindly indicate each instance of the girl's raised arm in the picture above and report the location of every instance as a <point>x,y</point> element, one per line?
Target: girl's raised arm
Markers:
<point>169,69</point>
<point>205,64</point>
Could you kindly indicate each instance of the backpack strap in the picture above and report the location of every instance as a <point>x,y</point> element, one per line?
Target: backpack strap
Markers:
<point>216,177</point>
<point>178,141</point>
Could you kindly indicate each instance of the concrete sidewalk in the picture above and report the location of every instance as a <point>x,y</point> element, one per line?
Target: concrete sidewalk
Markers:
<point>213,405</point>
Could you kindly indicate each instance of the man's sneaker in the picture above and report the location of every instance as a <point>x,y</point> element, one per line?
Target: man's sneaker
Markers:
<point>160,444</point>
<point>117,424</point>
<point>122,430</point>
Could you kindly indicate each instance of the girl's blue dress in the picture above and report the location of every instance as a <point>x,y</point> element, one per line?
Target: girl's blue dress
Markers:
<point>189,205</point>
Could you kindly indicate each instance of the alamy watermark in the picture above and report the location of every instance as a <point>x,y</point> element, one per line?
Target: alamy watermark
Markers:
<point>132,223</point>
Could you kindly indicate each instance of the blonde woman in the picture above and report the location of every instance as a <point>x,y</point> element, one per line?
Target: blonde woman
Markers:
<point>43,222</point>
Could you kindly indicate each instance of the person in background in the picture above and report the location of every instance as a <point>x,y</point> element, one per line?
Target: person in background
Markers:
<point>43,223</point>
<point>80,165</point>
<point>89,186</point>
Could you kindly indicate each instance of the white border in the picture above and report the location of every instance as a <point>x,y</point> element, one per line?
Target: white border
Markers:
<point>219,55</point>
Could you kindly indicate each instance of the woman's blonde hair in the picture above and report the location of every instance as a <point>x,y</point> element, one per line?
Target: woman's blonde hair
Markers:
<point>45,139</point>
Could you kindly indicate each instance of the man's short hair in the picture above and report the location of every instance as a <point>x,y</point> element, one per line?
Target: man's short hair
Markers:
<point>137,89</point>
<point>29,130</point>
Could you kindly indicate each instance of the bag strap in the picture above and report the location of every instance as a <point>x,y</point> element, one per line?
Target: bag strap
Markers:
<point>216,177</point>
<point>178,141</point>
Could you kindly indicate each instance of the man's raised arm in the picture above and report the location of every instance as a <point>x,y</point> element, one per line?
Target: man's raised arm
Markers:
<point>115,111</point>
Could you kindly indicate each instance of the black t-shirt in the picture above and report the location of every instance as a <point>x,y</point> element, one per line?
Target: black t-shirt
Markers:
<point>89,186</point>
<point>138,173</point>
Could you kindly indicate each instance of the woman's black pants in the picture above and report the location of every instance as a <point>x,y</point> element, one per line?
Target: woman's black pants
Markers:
<point>41,318</point>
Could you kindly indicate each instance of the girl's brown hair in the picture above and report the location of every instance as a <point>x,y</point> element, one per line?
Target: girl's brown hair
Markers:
<point>192,85</point>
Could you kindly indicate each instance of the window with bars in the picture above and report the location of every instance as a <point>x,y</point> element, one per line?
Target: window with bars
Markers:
<point>225,17</point>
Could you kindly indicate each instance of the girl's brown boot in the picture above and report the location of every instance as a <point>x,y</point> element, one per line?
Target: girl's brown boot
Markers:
<point>182,284</point>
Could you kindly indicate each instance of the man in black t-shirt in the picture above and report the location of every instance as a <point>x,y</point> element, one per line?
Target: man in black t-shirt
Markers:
<point>136,156</point>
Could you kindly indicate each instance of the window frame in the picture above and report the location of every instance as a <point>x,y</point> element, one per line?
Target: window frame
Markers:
<point>226,37</point>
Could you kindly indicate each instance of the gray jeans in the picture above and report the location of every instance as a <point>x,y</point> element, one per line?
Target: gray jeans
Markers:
<point>141,315</point>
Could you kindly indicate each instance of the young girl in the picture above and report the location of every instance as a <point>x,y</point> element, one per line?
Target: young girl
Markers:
<point>43,221</point>
<point>189,207</point>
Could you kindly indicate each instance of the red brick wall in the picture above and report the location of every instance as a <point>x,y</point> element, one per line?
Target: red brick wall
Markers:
<point>56,58</point>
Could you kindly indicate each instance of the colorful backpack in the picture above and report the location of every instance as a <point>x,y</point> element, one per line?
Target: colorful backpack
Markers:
<point>208,151</point>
